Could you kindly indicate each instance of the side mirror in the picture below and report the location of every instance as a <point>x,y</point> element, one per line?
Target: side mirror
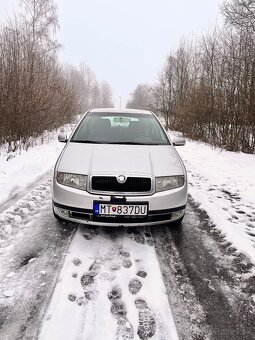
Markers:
<point>62,138</point>
<point>179,141</point>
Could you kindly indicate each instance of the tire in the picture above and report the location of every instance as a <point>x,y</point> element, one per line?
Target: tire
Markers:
<point>177,223</point>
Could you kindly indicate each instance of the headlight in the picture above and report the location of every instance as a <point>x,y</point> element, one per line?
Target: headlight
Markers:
<point>168,183</point>
<point>72,180</point>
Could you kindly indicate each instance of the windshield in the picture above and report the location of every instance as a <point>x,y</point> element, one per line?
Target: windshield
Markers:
<point>116,128</point>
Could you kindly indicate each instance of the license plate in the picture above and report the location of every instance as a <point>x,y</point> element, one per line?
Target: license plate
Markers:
<point>109,209</point>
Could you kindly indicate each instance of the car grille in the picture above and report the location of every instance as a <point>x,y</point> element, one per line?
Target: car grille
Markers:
<point>110,184</point>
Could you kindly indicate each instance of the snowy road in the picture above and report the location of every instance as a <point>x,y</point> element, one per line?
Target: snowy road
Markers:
<point>57,282</point>
<point>211,288</point>
<point>110,288</point>
<point>32,248</point>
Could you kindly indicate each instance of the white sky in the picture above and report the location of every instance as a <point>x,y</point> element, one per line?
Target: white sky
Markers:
<point>125,42</point>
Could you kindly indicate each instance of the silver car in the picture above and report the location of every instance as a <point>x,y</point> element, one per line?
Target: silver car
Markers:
<point>119,168</point>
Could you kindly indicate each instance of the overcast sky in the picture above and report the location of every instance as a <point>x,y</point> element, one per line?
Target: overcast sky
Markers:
<point>125,42</point>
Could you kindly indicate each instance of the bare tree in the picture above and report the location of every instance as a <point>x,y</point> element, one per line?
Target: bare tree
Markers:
<point>106,95</point>
<point>240,13</point>
<point>36,92</point>
<point>206,89</point>
<point>141,98</point>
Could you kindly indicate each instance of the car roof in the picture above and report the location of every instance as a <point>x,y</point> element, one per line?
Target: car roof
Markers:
<point>121,111</point>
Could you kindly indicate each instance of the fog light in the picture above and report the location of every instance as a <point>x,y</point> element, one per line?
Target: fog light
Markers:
<point>177,214</point>
<point>63,212</point>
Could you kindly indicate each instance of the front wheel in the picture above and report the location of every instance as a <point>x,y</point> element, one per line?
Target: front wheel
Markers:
<point>176,223</point>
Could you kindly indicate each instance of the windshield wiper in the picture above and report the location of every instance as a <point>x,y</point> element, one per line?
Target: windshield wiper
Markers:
<point>105,142</point>
<point>132,143</point>
<point>86,141</point>
<point>127,143</point>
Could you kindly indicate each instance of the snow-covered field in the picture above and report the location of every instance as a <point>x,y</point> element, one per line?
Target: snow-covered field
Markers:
<point>24,168</point>
<point>223,183</point>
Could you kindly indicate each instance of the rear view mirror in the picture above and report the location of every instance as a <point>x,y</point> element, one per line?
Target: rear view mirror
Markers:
<point>62,138</point>
<point>179,141</point>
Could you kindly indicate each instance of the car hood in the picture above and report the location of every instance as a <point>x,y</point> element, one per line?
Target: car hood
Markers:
<point>155,160</point>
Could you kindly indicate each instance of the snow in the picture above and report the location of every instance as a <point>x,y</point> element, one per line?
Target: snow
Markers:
<point>31,260</point>
<point>13,221</point>
<point>8,293</point>
<point>81,310</point>
<point>10,275</point>
<point>23,169</point>
<point>223,183</point>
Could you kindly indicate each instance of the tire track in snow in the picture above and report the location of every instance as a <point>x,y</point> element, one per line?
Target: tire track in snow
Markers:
<point>110,288</point>
<point>210,286</point>
<point>15,218</point>
<point>227,205</point>
<point>19,194</point>
<point>32,247</point>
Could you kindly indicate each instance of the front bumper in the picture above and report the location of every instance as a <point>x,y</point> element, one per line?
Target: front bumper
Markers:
<point>77,206</point>
<point>86,216</point>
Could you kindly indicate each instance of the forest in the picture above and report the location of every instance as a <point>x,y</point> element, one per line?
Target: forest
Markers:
<point>37,92</point>
<point>206,87</point>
